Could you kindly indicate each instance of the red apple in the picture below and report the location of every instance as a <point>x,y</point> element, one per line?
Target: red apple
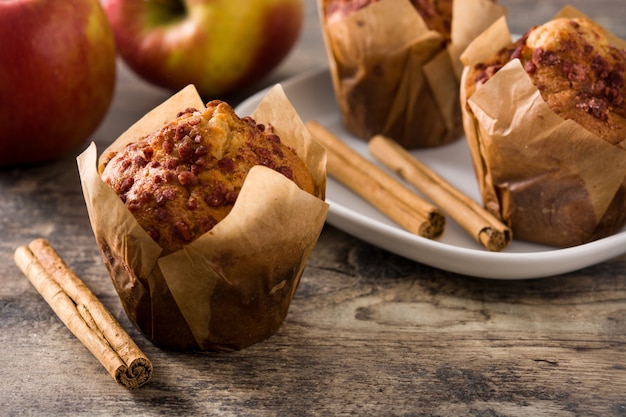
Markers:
<point>221,46</point>
<point>57,76</point>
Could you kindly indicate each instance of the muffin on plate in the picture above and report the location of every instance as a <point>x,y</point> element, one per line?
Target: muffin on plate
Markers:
<point>395,64</point>
<point>545,119</point>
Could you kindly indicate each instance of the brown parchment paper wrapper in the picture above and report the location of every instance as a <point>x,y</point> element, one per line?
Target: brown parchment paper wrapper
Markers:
<point>393,76</point>
<point>552,181</point>
<point>232,286</point>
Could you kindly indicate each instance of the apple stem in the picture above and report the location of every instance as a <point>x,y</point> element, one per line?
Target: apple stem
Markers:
<point>176,6</point>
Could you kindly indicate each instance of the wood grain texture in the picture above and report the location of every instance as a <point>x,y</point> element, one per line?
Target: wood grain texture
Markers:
<point>368,333</point>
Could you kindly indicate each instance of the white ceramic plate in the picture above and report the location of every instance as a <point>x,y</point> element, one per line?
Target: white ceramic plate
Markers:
<point>313,97</point>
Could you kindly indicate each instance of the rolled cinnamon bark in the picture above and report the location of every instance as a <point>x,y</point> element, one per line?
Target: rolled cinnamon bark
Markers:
<point>377,187</point>
<point>484,227</point>
<point>81,311</point>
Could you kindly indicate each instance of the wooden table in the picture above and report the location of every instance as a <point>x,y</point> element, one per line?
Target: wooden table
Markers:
<point>368,333</point>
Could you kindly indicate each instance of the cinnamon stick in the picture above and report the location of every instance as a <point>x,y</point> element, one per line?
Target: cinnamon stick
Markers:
<point>474,219</point>
<point>81,311</point>
<point>377,187</point>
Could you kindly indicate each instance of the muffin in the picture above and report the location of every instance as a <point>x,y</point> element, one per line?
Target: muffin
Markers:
<point>545,118</point>
<point>205,219</point>
<point>395,64</point>
<point>184,178</point>
<point>579,74</point>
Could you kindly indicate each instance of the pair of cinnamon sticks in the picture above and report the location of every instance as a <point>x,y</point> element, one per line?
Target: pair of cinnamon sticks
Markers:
<point>81,311</point>
<point>400,203</point>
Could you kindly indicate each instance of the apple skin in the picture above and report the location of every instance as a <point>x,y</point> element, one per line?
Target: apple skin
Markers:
<point>57,77</point>
<point>220,46</point>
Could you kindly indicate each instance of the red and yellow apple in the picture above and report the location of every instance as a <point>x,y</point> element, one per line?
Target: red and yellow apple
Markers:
<point>220,46</point>
<point>57,76</point>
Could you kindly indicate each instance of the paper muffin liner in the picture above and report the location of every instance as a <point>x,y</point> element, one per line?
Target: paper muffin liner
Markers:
<point>393,76</point>
<point>231,287</point>
<point>552,181</point>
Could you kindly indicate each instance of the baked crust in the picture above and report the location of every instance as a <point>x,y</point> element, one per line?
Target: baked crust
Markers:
<point>183,179</point>
<point>578,72</point>
<point>437,14</point>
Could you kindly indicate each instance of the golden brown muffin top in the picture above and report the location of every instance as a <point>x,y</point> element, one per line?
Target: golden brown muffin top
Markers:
<point>181,180</point>
<point>578,72</point>
<point>437,14</point>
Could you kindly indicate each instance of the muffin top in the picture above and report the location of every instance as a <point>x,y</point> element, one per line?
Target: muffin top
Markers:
<point>184,178</point>
<point>578,72</point>
<point>437,14</point>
